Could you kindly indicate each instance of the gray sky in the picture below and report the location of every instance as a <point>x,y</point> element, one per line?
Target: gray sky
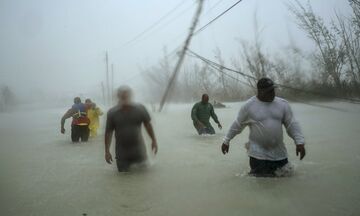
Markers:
<point>59,46</point>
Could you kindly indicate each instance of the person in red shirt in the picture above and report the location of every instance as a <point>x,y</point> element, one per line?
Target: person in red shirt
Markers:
<point>80,122</point>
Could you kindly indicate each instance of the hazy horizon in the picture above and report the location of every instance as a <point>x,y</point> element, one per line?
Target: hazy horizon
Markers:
<point>59,47</point>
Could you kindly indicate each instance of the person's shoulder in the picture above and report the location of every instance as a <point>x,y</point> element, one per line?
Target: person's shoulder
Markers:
<point>140,106</point>
<point>247,103</point>
<point>197,103</point>
<point>141,110</point>
<point>113,110</point>
<point>75,106</point>
<point>281,101</point>
<point>250,101</point>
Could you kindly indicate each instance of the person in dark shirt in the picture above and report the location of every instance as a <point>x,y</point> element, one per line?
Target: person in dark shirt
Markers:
<point>201,113</point>
<point>126,120</point>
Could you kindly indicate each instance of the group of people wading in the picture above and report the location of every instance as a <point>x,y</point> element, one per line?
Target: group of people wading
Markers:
<point>85,120</point>
<point>264,114</point>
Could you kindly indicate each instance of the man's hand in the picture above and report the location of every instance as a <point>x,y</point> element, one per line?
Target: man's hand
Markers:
<point>201,125</point>
<point>154,147</point>
<point>220,126</point>
<point>108,157</point>
<point>225,148</point>
<point>62,130</point>
<point>300,149</point>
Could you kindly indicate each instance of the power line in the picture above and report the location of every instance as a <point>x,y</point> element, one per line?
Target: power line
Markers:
<point>180,14</point>
<point>207,61</point>
<point>220,66</point>
<point>221,71</point>
<point>352,100</point>
<point>232,77</point>
<point>153,25</point>
<point>292,99</point>
<point>214,6</point>
<point>217,17</point>
<point>177,16</point>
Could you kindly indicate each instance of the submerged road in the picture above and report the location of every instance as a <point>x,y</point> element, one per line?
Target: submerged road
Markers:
<point>43,173</point>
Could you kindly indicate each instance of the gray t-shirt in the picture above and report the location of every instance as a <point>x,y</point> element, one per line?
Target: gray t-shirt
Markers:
<point>265,120</point>
<point>127,126</point>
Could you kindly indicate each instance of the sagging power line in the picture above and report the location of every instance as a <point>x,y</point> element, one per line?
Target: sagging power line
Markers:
<point>156,23</point>
<point>216,65</point>
<point>253,87</point>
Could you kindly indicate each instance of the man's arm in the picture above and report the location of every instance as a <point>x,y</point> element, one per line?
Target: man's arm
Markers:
<point>237,126</point>
<point>146,119</point>
<point>214,116</point>
<point>109,129</point>
<point>108,138</point>
<point>293,129</point>
<point>150,131</point>
<point>194,112</point>
<point>67,115</point>
<point>194,115</point>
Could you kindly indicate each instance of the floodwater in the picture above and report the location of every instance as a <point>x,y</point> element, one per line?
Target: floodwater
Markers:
<point>43,173</point>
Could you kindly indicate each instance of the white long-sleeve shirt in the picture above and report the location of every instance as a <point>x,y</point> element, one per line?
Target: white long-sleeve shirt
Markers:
<point>265,120</point>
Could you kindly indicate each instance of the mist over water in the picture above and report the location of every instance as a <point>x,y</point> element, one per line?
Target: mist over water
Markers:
<point>43,173</point>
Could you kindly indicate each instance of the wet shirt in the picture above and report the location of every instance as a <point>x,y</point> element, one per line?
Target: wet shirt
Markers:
<point>80,114</point>
<point>265,120</point>
<point>202,112</point>
<point>127,125</point>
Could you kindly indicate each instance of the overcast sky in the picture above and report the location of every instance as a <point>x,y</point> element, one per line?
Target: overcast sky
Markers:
<point>59,46</point>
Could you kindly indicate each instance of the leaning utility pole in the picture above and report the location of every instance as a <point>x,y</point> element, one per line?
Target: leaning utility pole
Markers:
<point>181,55</point>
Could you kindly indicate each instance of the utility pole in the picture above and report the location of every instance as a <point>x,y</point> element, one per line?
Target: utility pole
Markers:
<point>103,92</point>
<point>182,55</point>
<point>107,79</point>
<point>112,84</point>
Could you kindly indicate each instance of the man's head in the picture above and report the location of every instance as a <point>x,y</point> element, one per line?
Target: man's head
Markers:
<point>124,94</point>
<point>88,101</point>
<point>205,98</point>
<point>77,100</point>
<point>266,90</point>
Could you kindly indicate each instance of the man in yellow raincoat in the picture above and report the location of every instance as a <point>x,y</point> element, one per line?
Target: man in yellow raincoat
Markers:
<point>93,113</point>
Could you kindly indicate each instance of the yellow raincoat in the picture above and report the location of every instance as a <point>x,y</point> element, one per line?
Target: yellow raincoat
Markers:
<point>93,114</point>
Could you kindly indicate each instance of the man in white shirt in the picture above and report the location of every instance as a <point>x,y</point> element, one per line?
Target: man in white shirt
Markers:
<point>265,114</point>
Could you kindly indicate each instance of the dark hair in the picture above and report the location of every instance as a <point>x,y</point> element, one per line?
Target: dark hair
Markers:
<point>77,100</point>
<point>265,84</point>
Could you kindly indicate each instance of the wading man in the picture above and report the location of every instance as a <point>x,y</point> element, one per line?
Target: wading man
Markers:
<point>126,120</point>
<point>201,113</point>
<point>80,121</point>
<point>265,115</point>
